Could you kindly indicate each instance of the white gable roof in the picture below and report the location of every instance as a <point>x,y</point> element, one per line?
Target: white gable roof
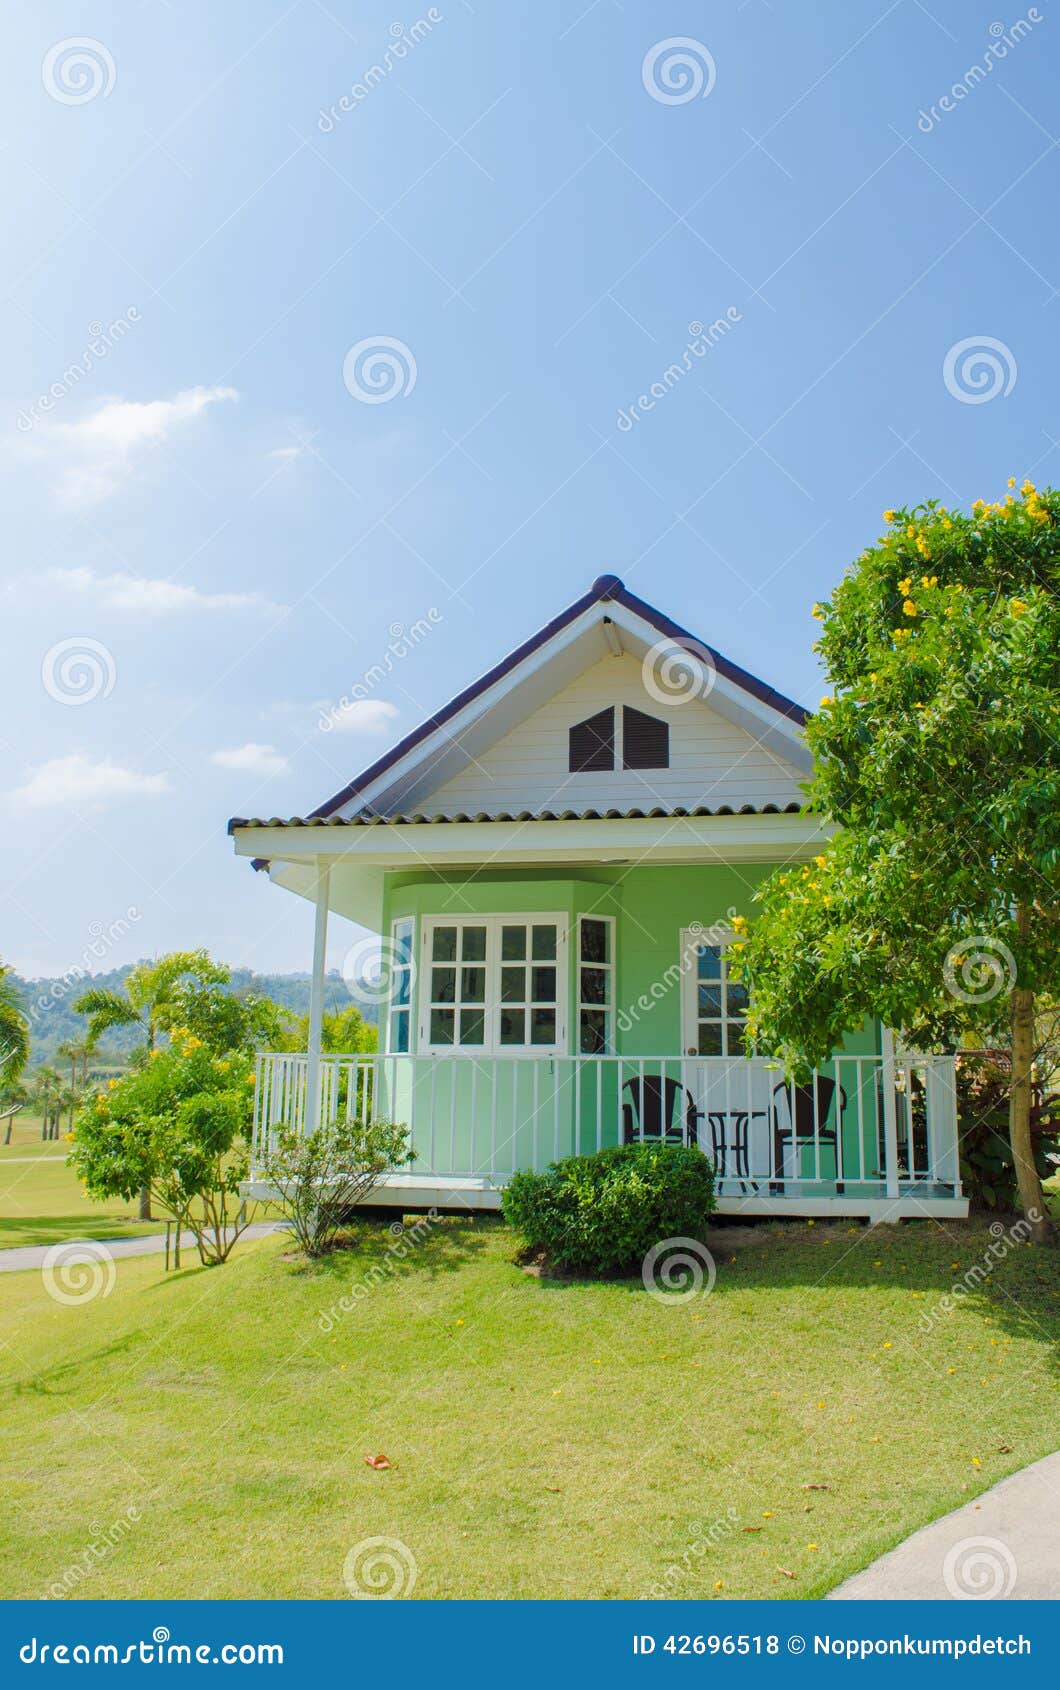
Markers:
<point>502,744</point>
<point>713,761</point>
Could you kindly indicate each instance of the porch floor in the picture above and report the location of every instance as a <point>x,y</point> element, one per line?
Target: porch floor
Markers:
<point>916,1200</point>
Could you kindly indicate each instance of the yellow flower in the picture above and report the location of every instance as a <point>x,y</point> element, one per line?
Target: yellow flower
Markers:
<point>909,608</point>
<point>904,586</point>
<point>1012,481</point>
<point>739,923</point>
<point>888,516</point>
<point>818,611</point>
<point>922,547</point>
<point>929,580</point>
<point>825,702</point>
<point>1028,487</point>
<point>1018,606</point>
<point>820,861</point>
<point>911,530</point>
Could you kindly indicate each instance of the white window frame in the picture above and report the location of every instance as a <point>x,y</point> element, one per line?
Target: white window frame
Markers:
<point>691,939</point>
<point>493,924</point>
<point>610,968</point>
<point>393,1008</point>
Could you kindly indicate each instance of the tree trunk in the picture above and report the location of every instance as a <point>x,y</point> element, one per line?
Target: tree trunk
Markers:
<point>145,1203</point>
<point>1032,1198</point>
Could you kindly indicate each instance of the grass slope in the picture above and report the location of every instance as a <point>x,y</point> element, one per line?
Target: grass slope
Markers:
<point>547,1439</point>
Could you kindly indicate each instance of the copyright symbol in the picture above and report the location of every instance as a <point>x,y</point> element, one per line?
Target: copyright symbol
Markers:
<point>796,1644</point>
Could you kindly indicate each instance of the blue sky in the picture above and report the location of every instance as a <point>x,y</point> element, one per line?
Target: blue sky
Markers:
<point>211,536</point>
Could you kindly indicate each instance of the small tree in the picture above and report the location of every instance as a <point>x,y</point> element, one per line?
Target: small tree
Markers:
<point>176,1125</point>
<point>937,753</point>
<point>146,1001</point>
<point>320,1176</point>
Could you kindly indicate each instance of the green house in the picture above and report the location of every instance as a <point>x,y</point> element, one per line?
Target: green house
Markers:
<point>553,864</point>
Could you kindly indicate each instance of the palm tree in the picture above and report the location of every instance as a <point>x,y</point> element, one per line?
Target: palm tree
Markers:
<point>14,1029</point>
<point>77,1053</point>
<point>148,996</point>
<point>47,1096</point>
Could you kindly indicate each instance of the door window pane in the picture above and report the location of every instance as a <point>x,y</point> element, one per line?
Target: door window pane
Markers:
<point>444,944</point>
<point>543,1026</point>
<point>513,944</point>
<point>443,985</point>
<point>543,985</point>
<point>513,985</point>
<point>710,1038</point>
<point>593,1032</point>
<point>442,1026</point>
<point>544,943</point>
<point>473,985</point>
<point>472,1027</point>
<point>594,985</point>
<point>709,962</point>
<point>473,944</point>
<point>594,941</point>
<point>513,1027</point>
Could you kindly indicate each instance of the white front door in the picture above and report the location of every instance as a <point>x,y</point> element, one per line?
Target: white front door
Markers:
<point>732,1091</point>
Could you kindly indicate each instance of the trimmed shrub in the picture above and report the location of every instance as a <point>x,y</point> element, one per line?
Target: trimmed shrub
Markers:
<point>603,1213</point>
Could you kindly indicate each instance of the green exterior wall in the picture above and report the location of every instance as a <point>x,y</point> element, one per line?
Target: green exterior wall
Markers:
<point>557,1110</point>
<point>650,904</point>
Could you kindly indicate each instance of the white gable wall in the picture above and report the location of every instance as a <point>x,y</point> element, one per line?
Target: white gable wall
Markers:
<point>712,760</point>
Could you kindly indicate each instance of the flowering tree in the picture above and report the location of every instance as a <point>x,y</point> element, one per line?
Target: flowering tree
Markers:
<point>176,1124</point>
<point>936,905</point>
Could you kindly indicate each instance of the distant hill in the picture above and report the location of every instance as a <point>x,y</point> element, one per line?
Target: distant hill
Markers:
<point>48,1004</point>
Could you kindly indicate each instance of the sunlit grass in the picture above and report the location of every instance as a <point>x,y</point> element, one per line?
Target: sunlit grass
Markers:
<point>547,1438</point>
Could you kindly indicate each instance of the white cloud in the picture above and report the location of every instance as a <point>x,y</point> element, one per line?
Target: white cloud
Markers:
<point>251,758</point>
<point>84,781</point>
<point>284,454</point>
<point>359,716</point>
<point>99,452</point>
<point>157,598</point>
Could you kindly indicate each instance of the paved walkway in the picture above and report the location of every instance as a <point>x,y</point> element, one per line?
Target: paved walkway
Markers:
<point>1007,1543</point>
<point>32,1255</point>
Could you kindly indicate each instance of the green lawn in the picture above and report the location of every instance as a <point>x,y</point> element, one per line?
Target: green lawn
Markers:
<point>547,1439</point>
<point>41,1200</point>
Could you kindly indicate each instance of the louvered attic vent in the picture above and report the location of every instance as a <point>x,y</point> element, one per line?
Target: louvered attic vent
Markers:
<point>592,743</point>
<point>645,742</point>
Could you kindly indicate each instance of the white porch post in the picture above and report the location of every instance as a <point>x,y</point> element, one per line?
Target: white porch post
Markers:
<point>316,1001</point>
<point>890,1112</point>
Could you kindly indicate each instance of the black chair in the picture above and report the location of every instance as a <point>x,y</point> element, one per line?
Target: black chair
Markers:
<point>656,1108</point>
<point>812,1105</point>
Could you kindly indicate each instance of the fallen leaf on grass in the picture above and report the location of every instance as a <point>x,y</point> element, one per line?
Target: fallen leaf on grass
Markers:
<point>751,1529</point>
<point>816,1487</point>
<point>378,1463</point>
<point>785,1572</point>
<point>1004,1449</point>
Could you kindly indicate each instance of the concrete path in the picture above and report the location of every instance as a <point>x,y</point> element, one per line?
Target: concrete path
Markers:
<point>1007,1543</point>
<point>33,1255</point>
<point>13,1161</point>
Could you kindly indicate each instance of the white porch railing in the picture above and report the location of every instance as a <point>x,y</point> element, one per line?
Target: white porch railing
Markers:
<point>875,1127</point>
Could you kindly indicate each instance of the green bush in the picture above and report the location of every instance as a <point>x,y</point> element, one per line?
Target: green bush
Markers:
<point>603,1213</point>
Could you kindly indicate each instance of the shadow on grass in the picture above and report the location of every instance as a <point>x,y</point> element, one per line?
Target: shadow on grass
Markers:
<point>981,1264</point>
<point>414,1244</point>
